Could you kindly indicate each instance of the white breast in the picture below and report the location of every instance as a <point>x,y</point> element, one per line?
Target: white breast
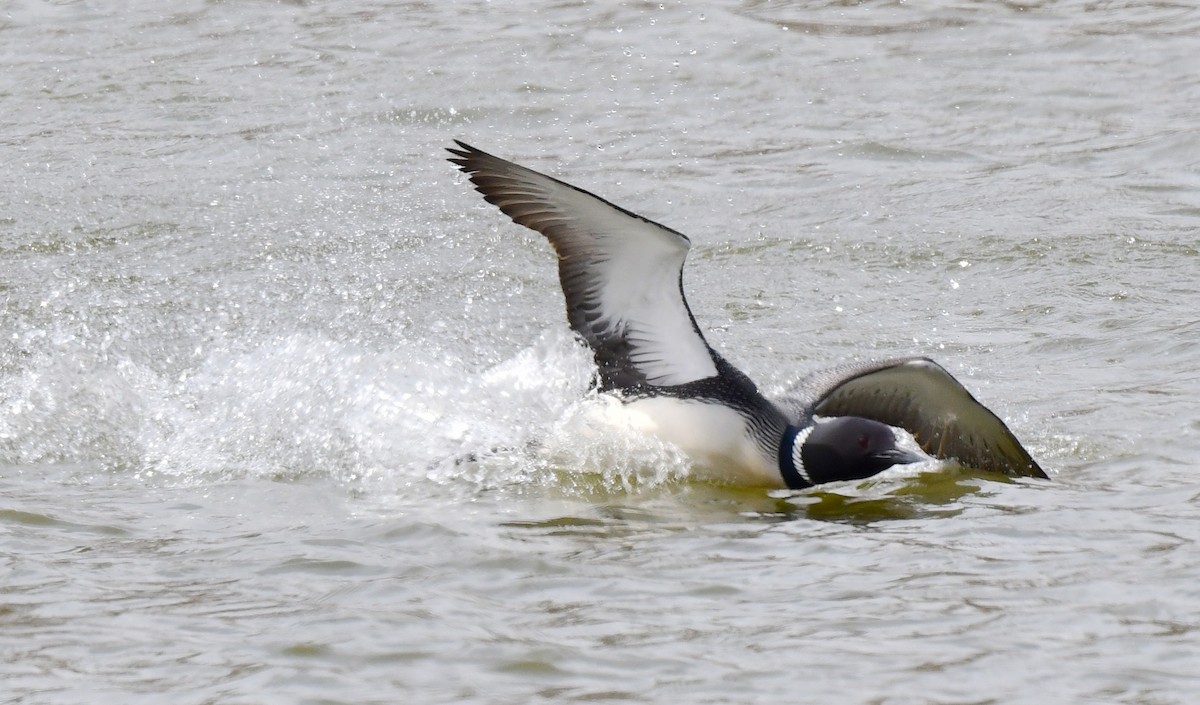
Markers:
<point>715,437</point>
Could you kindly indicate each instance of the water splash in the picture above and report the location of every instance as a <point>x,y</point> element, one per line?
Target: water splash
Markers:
<point>302,405</point>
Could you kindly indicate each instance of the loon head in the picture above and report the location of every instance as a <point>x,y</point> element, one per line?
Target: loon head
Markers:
<point>845,448</point>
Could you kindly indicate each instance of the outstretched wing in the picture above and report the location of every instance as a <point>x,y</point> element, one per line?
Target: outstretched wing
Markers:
<point>621,273</point>
<point>919,396</point>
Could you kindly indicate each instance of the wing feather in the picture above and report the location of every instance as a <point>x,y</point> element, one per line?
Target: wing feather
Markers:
<point>921,397</point>
<point>621,273</point>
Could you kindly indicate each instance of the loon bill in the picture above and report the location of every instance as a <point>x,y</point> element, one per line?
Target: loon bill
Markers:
<point>622,276</point>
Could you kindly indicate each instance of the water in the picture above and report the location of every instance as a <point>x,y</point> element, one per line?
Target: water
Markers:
<point>287,414</point>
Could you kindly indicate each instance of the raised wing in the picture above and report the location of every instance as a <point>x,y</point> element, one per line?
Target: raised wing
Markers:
<point>919,396</point>
<point>621,274</point>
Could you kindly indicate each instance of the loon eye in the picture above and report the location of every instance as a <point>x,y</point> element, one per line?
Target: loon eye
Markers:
<point>864,441</point>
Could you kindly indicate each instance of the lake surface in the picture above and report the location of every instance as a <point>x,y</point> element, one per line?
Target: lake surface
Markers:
<point>289,415</point>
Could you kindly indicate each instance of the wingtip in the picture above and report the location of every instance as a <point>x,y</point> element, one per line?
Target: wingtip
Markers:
<point>463,155</point>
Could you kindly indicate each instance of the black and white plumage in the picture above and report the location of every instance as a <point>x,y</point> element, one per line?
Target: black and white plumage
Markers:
<point>622,278</point>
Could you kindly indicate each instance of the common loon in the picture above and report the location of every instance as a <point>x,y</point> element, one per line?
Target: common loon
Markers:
<point>622,276</point>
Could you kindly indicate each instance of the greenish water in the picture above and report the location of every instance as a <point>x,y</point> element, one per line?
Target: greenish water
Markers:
<point>287,414</point>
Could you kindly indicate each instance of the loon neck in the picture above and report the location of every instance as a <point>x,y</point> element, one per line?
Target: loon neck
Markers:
<point>791,465</point>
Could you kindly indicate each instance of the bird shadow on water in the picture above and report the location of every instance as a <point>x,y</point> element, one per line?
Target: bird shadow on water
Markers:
<point>598,508</point>
<point>928,495</point>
